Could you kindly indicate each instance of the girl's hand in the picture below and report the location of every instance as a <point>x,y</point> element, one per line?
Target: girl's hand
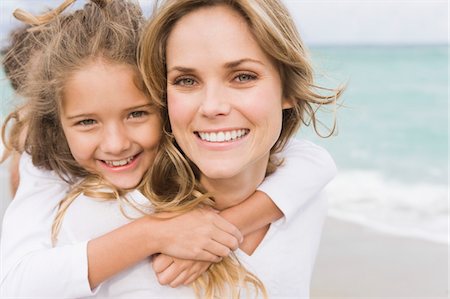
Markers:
<point>175,272</point>
<point>201,234</point>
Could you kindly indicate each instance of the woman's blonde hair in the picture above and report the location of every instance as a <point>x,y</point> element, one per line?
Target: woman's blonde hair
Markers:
<point>174,179</point>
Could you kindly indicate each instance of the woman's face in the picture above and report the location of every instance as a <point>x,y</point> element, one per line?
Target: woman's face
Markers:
<point>224,93</point>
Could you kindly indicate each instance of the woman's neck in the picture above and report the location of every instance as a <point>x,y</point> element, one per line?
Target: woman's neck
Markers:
<point>232,191</point>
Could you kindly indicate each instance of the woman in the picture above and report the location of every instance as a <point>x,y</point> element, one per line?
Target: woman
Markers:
<point>238,86</point>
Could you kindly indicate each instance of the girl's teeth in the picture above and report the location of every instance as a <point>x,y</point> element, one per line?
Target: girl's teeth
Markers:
<point>223,136</point>
<point>119,162</point>
<point>220,137</point>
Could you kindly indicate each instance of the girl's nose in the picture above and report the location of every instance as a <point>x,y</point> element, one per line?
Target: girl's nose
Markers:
<point>115,140</point>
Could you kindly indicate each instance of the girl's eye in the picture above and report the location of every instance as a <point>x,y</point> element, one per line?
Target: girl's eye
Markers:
<point>137,114</point>
<point>86,122</point>
<point>185,81</point>
<point>245,77</point>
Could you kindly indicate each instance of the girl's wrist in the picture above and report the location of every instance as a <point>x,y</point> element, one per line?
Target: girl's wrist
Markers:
<point>152,237</point>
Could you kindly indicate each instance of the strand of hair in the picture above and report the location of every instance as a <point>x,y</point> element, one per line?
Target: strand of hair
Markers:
<point>31,19</point>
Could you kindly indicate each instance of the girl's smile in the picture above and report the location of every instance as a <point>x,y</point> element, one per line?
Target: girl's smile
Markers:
<point>120,163</point>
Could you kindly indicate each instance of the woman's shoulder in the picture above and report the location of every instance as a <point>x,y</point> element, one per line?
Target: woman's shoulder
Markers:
<point>306,147</point>
<point>309,155</point>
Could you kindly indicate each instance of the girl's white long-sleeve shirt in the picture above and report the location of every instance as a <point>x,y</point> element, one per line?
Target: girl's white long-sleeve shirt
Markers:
<point>31,267</point>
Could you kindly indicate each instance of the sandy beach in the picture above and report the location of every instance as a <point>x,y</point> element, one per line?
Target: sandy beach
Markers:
<point>357,262</point>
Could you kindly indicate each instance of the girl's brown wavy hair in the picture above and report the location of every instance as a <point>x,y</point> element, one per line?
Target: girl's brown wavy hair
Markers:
<point>106,30</point>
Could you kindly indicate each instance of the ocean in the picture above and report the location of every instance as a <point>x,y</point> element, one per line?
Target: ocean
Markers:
<point>391,148</point>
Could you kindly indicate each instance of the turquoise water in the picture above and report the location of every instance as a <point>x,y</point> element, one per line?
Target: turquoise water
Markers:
<point>392,142</point>
<point>396,114</point>
<point>7,99</point>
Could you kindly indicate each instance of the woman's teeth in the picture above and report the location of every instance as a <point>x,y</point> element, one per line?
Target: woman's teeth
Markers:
<point>119,162</point>
<point>223,136</point>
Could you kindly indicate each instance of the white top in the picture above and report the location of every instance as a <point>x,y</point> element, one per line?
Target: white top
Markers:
<point>32,268</point>
<point>284,260</point>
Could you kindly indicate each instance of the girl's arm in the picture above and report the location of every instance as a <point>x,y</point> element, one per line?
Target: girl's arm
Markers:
<point>200,234</point>
<point>306,170</point>
<point>32,267</point>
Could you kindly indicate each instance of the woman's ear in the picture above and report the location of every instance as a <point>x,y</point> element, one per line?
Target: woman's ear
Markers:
<point>288,103</point>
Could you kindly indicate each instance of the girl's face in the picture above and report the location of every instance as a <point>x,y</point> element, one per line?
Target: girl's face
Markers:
<point>110,126</point>
<point>224,93</point>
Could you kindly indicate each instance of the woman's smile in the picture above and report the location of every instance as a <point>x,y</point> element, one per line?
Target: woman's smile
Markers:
<point>222,135</point>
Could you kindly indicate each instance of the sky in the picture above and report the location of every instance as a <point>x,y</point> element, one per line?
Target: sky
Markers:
<point>330,22</point>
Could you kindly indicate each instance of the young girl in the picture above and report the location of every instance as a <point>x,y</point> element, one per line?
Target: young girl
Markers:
<point>74,133</point>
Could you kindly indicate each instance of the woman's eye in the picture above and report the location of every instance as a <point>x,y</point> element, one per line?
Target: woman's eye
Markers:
<point>86,122</point>
<point>137,114</point>
<point>185,82</point>
<point>245,77</point>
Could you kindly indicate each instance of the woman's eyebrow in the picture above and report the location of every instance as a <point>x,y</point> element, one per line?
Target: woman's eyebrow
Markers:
<point>181,69</point>
<point>228,65</point>
<point>233,64</point>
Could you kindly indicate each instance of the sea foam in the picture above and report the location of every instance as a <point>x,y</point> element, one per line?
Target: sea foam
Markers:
<point>367,197</point>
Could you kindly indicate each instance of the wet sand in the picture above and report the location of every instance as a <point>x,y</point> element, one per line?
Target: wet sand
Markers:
<point>357,262</point>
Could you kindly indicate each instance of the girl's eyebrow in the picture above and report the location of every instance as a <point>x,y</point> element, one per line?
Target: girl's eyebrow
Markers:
<point>228,65</point>
<point>88,115</point>
<point>149,105</point>
<point>83,115</point>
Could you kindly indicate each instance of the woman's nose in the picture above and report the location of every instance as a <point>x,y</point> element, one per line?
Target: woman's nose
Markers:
<point>215,102</point>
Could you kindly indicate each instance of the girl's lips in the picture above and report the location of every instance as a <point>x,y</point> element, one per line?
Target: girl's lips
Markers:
<point>119,165</point>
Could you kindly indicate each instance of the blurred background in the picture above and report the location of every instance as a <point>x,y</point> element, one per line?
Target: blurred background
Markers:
<point>387,232</point>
